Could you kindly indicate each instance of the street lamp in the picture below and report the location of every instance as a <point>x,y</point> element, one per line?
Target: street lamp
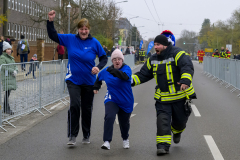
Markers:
<point>69,9</point>
<point>129,29</point>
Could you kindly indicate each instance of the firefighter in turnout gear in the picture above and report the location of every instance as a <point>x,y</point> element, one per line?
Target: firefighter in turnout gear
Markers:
<point>142,55</point>
<point>223,53</point>
<point>173,71</point>
<point>216,54</point>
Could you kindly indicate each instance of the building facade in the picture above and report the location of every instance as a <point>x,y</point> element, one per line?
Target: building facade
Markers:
<point>28,18</point>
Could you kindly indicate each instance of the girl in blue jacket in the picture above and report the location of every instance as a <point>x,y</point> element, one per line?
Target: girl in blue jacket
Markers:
<point>119,98</point>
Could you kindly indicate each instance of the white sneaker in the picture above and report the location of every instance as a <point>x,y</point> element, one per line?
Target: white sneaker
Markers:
<point>106,145</point>
<point>126,144</point>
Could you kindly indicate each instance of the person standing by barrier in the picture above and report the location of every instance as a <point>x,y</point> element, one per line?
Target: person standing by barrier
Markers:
<point>1,44</point>
<point>119,98</point>
<point>216,54</point>
<point>33,66</point>
<point>228,53</point>
<point>8,75</point>
<point>173,71</point>
<point>23,49</point>
<point>81,74</point>
<point>222,53</point>
<point>142,55</point>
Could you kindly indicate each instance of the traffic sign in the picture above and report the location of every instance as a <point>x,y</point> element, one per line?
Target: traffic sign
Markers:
<point>229,46</point>
<point>208,50</point>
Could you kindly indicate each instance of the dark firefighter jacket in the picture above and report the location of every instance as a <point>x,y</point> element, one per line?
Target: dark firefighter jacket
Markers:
<point>168,68</point>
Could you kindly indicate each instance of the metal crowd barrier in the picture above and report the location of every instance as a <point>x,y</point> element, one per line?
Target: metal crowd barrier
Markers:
<point>38,85</point>
<point>225,70</point>
<point>35,86</point>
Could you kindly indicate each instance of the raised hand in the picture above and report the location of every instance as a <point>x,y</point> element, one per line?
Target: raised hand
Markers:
<point>51,15</point>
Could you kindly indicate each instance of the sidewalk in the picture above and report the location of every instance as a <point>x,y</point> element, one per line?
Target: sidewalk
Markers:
<point>27,121</point>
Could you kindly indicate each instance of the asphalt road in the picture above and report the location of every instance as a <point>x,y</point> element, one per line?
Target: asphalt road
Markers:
<point>212,133</point>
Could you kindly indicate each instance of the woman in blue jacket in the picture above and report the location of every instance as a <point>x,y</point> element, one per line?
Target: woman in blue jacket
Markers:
<point>81,74</point>
<point>119,98</point>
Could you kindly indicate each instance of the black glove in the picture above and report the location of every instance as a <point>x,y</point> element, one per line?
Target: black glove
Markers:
<point>110,68</point>
<point>17,54</point>
<point>28,52</point>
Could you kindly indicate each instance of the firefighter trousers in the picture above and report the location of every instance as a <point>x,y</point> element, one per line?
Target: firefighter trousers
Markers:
<point>170,117</point>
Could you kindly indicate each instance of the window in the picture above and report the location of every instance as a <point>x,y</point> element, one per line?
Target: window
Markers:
<point>27,7</point>
<point>33,30</point>
<point>33,8</point>
<point>19,31</point>
<point>9,4</point>
<point>22,32</point>
<point>9,29</point>
<point>19,5</point>
<point>27,35</point>
<point>38,10</point>
<point>25,30</point>
<point>12,30</point>
<point>30,7</point>
<point>16,4</point>
<point>30,33</point>
<point>15,31</point>
<point>23,6</point>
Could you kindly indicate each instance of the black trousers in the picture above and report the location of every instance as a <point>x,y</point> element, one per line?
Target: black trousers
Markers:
<point>6,101</point>
<point>170,117</point>
<point>111,109</point>
<point>142,58</point>
<point>81,101</point>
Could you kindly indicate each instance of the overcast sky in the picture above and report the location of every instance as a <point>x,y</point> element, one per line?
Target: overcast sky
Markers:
<point>176,15</point>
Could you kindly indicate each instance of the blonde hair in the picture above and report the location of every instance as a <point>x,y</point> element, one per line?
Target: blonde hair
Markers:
<point>83,22</point>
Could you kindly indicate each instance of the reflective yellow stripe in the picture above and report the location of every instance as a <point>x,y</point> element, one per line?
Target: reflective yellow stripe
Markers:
<point>172,98</point>
<point>164,139</point>
<point>148,64</point>
<point>178,56</point>
<point>136,79</point>
<point>155,67</point>
<point>174,131</point>
<point>170,77</point>
<point>187,75</point>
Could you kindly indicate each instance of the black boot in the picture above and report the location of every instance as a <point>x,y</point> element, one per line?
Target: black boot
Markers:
<point>176,138</point>
<point>162,149</point>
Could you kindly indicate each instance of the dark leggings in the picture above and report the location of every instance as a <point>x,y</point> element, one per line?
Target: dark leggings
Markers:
<point>111,109</point>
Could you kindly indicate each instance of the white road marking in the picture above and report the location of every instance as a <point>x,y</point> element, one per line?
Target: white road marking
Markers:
<point>213,147</point>
<point>195,110</point>
<point>132,115</point>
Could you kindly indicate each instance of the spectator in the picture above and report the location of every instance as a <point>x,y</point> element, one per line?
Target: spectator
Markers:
<point>222,53</point>
<point>137,54</point>
<point>1,44</point>
<point>112,49</point>
<point>81,74</point>
<point>119,98</point>
<point>216,54</point>
<point>127,50</point>
<point>108,53</point>
<point>228,53</point>
<point>33,66</point>
<point>10,40</point>
<point>8,76</point>
<point>23,50</point>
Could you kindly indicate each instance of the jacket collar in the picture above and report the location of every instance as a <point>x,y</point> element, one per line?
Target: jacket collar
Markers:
<point>89,36</point>
<point>7,55</point>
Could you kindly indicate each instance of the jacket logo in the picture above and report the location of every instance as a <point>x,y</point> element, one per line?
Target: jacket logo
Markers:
<point>87,47</point>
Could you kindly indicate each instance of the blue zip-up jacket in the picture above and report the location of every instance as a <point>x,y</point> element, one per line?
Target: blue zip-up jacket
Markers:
<point>81,55</point>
